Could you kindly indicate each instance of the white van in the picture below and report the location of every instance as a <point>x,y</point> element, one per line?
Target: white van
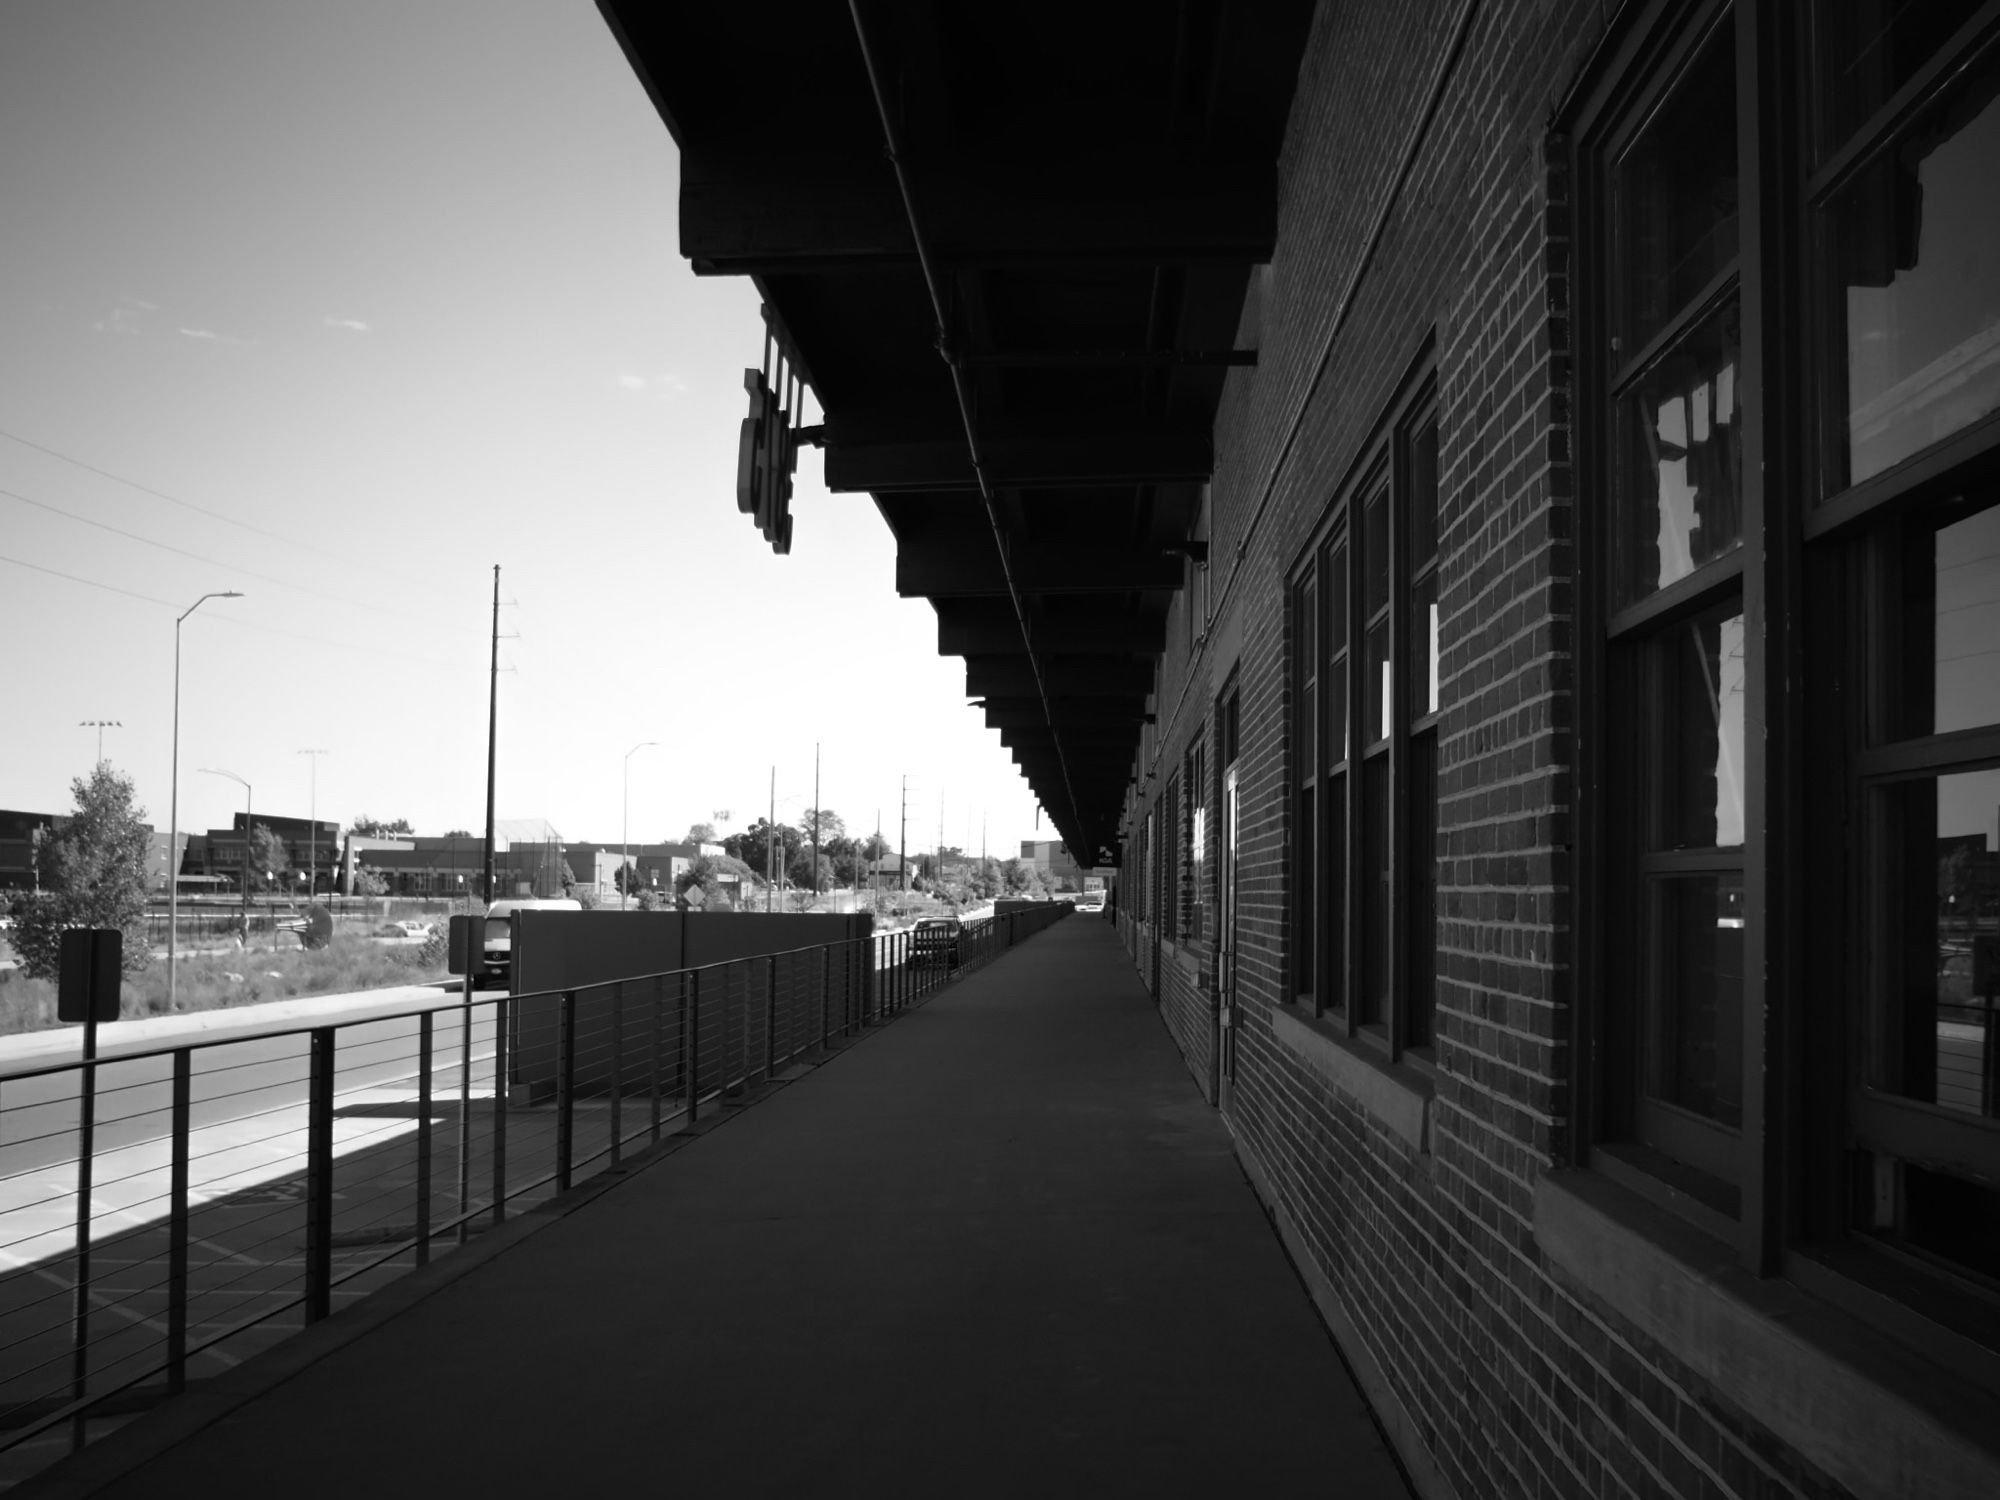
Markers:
<point>496,960</point>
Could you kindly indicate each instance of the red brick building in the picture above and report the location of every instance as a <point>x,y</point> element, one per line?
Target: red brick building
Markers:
<point>1537,677</point>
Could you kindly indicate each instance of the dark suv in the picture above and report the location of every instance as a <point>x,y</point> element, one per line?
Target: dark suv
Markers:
<point>935,940</point>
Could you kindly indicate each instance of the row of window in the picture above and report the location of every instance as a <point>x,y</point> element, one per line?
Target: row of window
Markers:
<point>1787,881</point>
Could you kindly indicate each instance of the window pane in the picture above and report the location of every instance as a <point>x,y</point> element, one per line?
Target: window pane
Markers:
<point>1308,724</point>
<point>1378,704</point>
<point>1953,1219</point>
<point>1867,49</point>
<point>1375,554</point>
<point>1941,905</point>
<point>1693,962</point>
<point>1336,654</point>
<point>1333,887</point>
<point>1680,461</point>
<point>1306,926</point>
<point>1939,665</point>
<point>1424,645</point>
<point>1693,735</point>
<point>1674,198</point>
<point>1336,712</point>
<point>1422,890</point>
<point>1375,897</point>
<point>1423,493</point>
<point>1915,244</point>
<point>1965,637</point>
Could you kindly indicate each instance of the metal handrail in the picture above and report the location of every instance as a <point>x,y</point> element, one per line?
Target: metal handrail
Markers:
<point>688,1052</point>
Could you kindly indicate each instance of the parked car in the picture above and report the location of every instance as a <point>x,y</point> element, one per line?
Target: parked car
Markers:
<point>935,940</point>
<point>1090,901</point>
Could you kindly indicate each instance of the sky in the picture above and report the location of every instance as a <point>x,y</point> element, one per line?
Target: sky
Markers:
<point>341,306</point>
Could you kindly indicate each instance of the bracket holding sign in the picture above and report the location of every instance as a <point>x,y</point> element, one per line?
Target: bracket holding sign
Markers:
<point>767,446</point>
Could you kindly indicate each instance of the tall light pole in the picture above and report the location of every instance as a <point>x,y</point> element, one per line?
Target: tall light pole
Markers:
<point>625,828</point>
<point>312,828</point>
<point>174,801</point>
<point>100,725</point>
<point>246,844</point>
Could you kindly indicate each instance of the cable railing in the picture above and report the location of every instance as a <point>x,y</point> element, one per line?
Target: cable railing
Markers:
<point>236,1189</point>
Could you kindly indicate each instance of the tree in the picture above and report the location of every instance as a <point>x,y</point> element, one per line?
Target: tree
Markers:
<point>378,828</point>
<point>629,879</point>
<point>268,857</point>
<point>92,870</point>
<point>749,845</point>
<point>700,833</point>
<point>831,825</point>
<point>369,882</point>
<point>706,872</point>
<point>454,833</point>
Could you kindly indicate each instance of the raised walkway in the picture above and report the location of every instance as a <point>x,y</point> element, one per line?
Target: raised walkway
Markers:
<point>1001,1246</point>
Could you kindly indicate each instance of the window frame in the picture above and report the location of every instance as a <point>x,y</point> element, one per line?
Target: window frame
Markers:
<point>1332,903</point>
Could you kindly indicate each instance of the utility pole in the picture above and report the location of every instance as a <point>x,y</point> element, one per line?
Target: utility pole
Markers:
<point>100,725</point>
<point>903,837</point>
<point>770,831</point>
<point>312,828</point>
<point>815,820</point>
<point>492,734</point>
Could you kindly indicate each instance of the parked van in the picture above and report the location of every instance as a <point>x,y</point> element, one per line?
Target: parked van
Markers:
<point>496,961</point>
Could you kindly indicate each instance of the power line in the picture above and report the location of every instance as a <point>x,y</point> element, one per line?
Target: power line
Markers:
<point>296,635</point>
<point>200,510</point>
<point>340,599</point>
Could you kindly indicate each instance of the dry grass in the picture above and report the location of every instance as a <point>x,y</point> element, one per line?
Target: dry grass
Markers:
<point>219,981</point>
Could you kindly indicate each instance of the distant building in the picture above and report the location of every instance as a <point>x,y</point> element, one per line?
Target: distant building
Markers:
<point>18,832</point>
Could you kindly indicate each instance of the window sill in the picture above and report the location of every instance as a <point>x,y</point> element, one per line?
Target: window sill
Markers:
<point>1396,1096</point>
<point>1875,1416</point>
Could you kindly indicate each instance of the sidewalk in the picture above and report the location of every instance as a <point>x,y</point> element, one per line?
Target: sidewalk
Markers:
<point>1000,1247</point>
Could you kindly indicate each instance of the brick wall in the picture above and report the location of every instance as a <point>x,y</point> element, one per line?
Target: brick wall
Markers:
<point>1497,1377</point>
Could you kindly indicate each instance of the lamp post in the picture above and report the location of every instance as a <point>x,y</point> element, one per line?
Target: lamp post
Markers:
<point>624,828</point>
<point>246,844</point>
<point>174,802</point>
<point>100,725</point>
<point>312,828</point>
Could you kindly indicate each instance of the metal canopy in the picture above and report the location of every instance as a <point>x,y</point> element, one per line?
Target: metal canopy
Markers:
<point>1009,246</point>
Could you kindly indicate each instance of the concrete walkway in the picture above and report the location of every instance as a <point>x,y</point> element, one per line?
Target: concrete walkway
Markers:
<point>1000,1247</point>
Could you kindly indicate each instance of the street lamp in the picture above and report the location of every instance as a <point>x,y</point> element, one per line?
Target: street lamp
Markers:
<point>246,844</point>
<point>624,827</point>
<point>312,828</point>
<point>100,725</point>
<point>174,802</point>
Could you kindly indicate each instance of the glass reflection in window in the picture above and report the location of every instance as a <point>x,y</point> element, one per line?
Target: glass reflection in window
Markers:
<point>1916,253</point>
<point>1697,729</point>
<point>1940,1035</point>
<point>1682,461</point>
<point>1966,631</point>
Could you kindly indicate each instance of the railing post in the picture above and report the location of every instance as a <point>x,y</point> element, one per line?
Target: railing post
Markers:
<point>425,1027</point>
<point>465,1110</point>
<point>617,1068</point>
<point>659,1043</point>
<point>319,1177</point>
<point>771,1017</point>
<point>177,1221</point>
<point>86,1151</point>
<point>691,1034</point>
<point>565,1087</point>
<point>501,1037</point>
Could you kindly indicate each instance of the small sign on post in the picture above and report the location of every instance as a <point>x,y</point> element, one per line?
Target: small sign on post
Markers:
<point>465,944</point>
<point>92,964</point>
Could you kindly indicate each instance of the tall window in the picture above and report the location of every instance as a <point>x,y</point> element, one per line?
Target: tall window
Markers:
<point>1906,109</point>
<point>1788,343</point>
<point>1194,783</point>
<point>1170,860</point>
<point>1674,620</point>
<point>1364,809</point>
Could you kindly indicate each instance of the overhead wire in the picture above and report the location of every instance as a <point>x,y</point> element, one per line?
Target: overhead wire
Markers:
<point>341,599</point>
<point>224,619</point>
<point>200,510</point>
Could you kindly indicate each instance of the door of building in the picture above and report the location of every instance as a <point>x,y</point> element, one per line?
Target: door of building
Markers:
<point>1225,952</point>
